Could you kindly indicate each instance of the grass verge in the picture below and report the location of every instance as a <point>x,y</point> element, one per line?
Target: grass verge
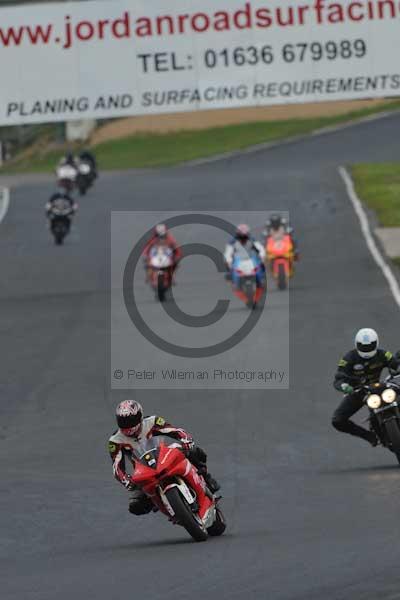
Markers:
<point>397,261</point>
<point>151,150</point>
<point>378,185</point>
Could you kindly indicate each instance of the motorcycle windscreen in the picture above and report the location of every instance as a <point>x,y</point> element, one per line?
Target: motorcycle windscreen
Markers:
<point>147,450</point>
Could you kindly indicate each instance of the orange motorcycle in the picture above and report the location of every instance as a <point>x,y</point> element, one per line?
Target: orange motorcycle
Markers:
<point>280,256</point>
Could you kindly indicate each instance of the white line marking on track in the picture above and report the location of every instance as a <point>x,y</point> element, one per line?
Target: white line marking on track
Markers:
<point>5,202</point>
<point>369,238</point>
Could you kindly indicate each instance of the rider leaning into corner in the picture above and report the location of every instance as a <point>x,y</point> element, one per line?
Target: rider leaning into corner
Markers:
<point>276,227</point>
<point>134,428</point>
<point>361,366</point>
<point>161,235</point>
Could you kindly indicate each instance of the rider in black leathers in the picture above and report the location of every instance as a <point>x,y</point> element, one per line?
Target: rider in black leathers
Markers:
<point>60,195</point>
<point>361,366</point>
<point>89,158</point>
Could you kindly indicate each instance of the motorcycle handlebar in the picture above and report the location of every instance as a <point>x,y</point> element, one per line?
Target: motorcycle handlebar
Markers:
<point>371,387</point>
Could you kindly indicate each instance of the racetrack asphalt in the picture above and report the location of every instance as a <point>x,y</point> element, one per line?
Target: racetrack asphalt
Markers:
<point>311,513</point>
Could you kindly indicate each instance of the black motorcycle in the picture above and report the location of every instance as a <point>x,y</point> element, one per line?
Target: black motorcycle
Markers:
<point>383,402</point>
<point>60,216</point>
<point>86,176</point>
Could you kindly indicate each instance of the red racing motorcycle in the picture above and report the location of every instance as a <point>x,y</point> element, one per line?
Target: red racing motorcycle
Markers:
<point>160,270</point>
<point>175,487</point>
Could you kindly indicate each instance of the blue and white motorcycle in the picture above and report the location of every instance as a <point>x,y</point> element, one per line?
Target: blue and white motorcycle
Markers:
<point>248,277</point>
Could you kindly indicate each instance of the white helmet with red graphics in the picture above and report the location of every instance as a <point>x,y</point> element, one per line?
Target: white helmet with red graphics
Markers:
<point>366,342</point>
<point>160,231</point>
<point>129,415</point>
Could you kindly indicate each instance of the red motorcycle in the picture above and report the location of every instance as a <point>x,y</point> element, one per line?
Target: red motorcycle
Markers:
<point>160,269</point>
<point>175,487</point>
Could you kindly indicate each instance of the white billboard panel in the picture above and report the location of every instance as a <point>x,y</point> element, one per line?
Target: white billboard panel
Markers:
<point>113,58</point>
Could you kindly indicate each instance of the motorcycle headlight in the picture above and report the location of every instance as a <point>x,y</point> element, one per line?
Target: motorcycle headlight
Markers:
<point>389,396</point>
<point>374,401</point>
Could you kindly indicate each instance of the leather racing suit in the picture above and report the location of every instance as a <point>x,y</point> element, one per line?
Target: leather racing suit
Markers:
<point>169,241</point>
<point>120,448</point>
<point>235,247</point>
<point>279,233</point>
<point>357,371</point>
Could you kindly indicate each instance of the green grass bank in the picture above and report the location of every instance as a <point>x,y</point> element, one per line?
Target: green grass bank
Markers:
<point>152,150</point>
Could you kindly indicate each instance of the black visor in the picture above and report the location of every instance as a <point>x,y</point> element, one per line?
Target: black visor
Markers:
<point>126,422</point>
<point>367,347</point>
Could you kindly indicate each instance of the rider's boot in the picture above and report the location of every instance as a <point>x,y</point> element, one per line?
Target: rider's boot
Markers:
<point>212,483</point>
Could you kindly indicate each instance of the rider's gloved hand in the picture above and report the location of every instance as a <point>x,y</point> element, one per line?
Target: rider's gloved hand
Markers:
<point>188,444</point>
<point>201,456</point>
<point>346,388</point>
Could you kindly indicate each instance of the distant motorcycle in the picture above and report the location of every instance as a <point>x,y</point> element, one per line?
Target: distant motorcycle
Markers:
<point>175,487</point>
<point>383,402</point>
<point>60,213</point>
<point>66,177</point>
<point>160,269</point>
<point>280,256</point>
<point>248,278</point>
<point>85,177</point>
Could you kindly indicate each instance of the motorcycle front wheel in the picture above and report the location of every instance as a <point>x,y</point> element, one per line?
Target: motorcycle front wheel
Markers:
<point>393,433</point>
<point>249,291</point>
<point>282,279</point>
<point>161,287</point>
<point>59,234</point>
<point>185,516</point>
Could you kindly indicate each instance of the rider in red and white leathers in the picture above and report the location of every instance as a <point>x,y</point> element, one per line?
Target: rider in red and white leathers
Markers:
<point>161,235</point>
<point>133,428</point>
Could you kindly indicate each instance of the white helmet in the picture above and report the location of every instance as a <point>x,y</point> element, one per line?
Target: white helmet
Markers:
<point>366,342</point>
